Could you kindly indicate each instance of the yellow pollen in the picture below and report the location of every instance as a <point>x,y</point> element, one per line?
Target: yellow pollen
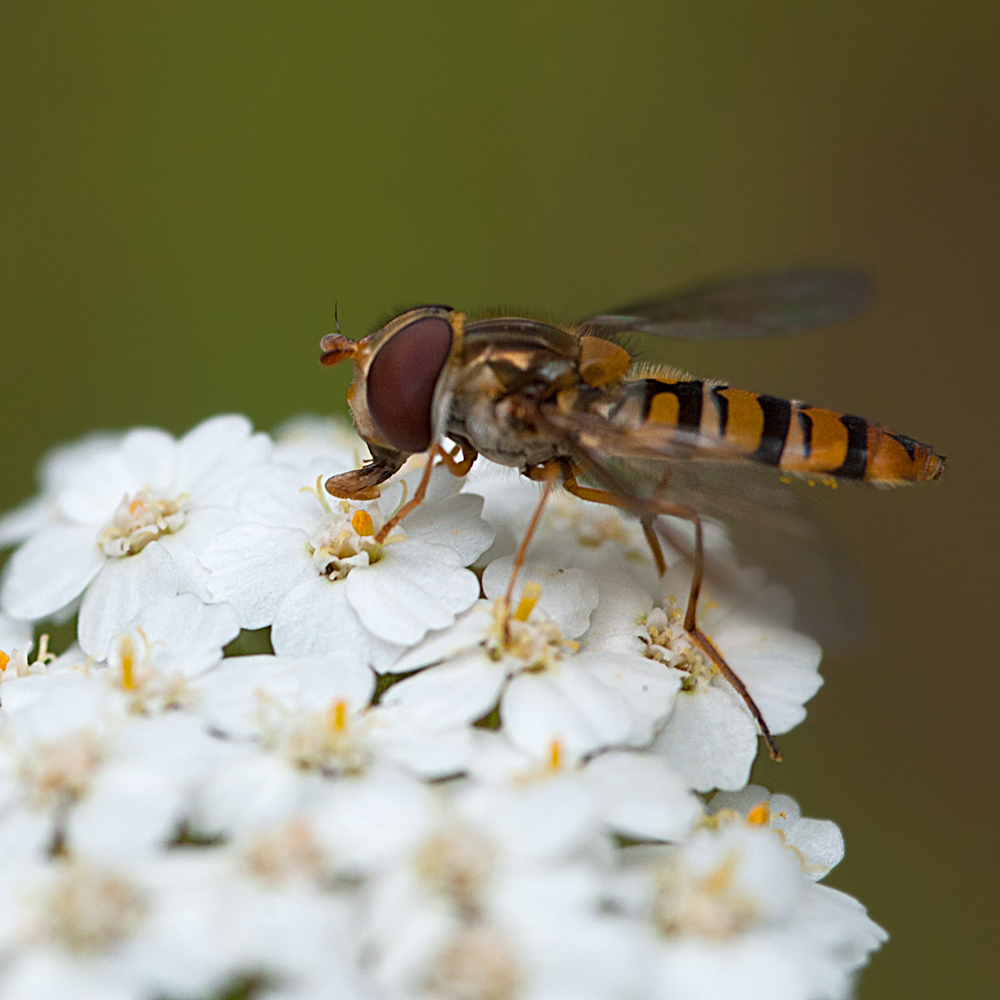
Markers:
<point>128,680</point>
<point>718,881</point>
<point>337,716</point>
<point>760,815</point>
<point>4,660</point>
<point>555,755</point>
<point>529,598</point>
<point>362,523</point>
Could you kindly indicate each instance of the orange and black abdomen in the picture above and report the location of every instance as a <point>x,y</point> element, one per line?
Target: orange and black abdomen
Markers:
<point>794,437</point>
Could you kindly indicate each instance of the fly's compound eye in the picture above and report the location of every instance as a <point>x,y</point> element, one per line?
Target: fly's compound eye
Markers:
<point>401,381</point>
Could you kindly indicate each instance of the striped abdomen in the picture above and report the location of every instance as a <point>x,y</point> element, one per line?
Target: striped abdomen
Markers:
<point>791,435</point>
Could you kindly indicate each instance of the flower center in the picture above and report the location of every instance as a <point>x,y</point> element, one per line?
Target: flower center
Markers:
<point>528,634</point>
<point>592,525</point>
<point>280,855</point>
<point>91,911</point>
<point>141,519</point>
<point>477,964</point>
<point>60,772</point>
<point>150,691</point>
<point>331,742</point>
<point>669,643</point>
<point>347,540</point>
<point>17,664</point>
<point>457,864</point>
<point>708,905</point>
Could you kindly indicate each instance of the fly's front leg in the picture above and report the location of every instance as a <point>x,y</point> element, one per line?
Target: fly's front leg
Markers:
<point>416,501</point>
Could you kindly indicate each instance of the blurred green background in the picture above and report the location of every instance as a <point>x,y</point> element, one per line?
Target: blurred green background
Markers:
<point>186,190</point>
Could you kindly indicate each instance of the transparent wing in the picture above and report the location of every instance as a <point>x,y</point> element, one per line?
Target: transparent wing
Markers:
<point>772,523</point>
<point>773,304</point>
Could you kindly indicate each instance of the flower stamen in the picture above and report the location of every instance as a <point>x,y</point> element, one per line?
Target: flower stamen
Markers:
<point>362,523</point>
<point>529,598</point>
<point>141,519</point>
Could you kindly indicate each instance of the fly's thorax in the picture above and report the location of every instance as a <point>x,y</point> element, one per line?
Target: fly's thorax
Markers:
<point>508,366</point>
<point>501,429</point>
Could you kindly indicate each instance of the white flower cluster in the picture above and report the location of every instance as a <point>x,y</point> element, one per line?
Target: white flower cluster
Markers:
<point>414,795</point>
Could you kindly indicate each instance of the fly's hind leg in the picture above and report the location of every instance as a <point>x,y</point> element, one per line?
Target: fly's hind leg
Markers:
<point>647,518</point>
<point>703,642</point>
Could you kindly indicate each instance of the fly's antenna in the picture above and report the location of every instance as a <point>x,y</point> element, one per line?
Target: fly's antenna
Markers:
<point>335,346</point>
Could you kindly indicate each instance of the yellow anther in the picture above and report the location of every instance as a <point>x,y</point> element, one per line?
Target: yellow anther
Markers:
<point>529,598</point>
<point>785,479</point>
<point>719,880</point>
<point>760,815</point>
<point>555,755</point>
<point>4,660</point>
<point>128,654</point>
<point>362,523</point>
<point>337,716</point>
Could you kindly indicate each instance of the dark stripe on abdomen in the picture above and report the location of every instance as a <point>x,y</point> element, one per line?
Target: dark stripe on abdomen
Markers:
<point>856,460</point>
<point>806,426</point>
<point>777,417</point>
<point>910,444</point>
<point>689,397</point>
<point>722,407</point>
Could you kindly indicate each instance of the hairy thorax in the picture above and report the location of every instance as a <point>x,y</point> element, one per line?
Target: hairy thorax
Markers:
<point>503,380</point>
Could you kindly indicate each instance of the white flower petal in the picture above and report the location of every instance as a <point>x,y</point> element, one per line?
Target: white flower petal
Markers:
<point>710,739</point>
<point>451,694</point>
<point>618,621</point>
<point>51,569</point>
<point>779,668</point>
<point>568,595</point>
<point>648,688</point>
<point>316,619</point>
<point>455,522</point>
<point>364,822</point>
<point>252,791</point>
<point>185,546</point>
<point>89,496</point>
<point>640,795</point>
<point>15,633</point>
<point>130,811</point>
<point>149,458</point>
<point>187,635</point>
<point>22,522</point>
<point>466,634</point>
<point>571,707</point>
<point>254,568</point>
<point>216,457</point>
<point>231,693</point>
<point>413,588</point>
<point>119,593</point>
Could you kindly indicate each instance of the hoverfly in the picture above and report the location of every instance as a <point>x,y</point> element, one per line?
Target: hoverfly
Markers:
<point>564,402</point>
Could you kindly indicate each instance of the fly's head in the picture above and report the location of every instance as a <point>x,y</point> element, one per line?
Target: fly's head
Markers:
<point>400,394</point>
